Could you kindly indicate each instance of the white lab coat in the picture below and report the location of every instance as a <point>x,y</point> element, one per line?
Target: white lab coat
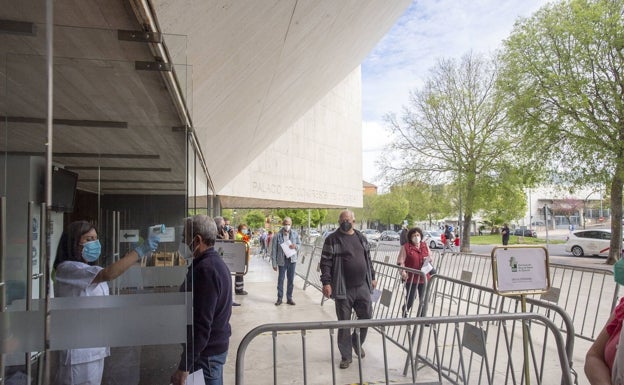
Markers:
<point>74,279</point>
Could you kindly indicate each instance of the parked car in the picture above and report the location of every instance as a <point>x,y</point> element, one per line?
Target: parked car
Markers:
<point>371,234</point>
<point>389,235</point>
<point>314,233</point>
<point>525,233</point>
<point>433,239</point>
<point>589,242</point>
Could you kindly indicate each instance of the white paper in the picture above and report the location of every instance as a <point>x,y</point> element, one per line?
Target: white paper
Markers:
<point>287,250</point>
<point>375,295</point>
<point>195,378</point>
<point>427,267</point>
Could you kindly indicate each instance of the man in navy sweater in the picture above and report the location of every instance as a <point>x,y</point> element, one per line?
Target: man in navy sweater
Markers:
<point>208,277</point>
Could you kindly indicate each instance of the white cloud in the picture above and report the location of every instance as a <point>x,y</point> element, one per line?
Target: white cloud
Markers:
<point>428,31</point>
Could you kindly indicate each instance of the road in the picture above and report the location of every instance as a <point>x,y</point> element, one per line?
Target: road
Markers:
<point>556,253</point>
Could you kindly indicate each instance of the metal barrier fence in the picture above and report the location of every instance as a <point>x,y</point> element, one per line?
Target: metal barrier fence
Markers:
<point>448,297</point>
<point>579,302</point>
<point>308,357</point>
<point>587,295</point>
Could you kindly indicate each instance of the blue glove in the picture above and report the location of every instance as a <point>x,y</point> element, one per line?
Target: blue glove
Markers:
<point>148,246</point>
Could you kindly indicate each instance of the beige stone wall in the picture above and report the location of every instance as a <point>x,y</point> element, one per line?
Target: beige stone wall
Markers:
<point>318,160</point>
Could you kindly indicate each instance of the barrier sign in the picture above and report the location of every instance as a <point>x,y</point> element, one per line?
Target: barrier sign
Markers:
<point>520,270</point>
<point>234,254</point>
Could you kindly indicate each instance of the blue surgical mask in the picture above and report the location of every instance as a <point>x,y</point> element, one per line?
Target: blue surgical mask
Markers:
<point>618,271</point>
<point>185,251</point>
<point>91,251</point>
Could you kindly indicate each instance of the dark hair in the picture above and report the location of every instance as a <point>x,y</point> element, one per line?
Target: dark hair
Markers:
<point>69,246</point>
<point>411,232</point>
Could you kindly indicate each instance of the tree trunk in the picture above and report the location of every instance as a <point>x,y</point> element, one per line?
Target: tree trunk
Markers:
<point>615,249</point>
<point>469,199</point>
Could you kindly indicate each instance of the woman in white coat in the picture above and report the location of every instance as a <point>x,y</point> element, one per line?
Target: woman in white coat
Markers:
<point>76,276</point>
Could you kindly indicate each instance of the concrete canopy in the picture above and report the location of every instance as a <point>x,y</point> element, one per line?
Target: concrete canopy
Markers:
<point>248,71</point>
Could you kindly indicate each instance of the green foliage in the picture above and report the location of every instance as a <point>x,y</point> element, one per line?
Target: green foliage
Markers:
<point>300,216</point>
<point>255,219</point>
<point>425,202</point>
<point>562,75</point>
<point>391,208</point>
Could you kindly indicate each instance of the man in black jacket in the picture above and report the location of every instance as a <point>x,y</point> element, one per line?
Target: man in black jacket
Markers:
<point>348,277</point>
<point>208,277</point>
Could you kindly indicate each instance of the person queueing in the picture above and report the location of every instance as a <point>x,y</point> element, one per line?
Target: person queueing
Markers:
<point>414,254</point>
<point>348,277</point>
<point>285,264</point>
<point>223,234</point>
<point>75,275</point>
<point>241,235</point>
<point>208,278</point>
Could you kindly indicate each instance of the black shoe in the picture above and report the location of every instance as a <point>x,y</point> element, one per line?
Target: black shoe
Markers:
<point>291,302</point>
<point>345,363</point>
<point>235,304</point>
<point>278,302</point>
<point>241,292</point>
<point>362,352</point>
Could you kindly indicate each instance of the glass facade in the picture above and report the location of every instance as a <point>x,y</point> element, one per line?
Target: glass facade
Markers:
<point>119,155</point>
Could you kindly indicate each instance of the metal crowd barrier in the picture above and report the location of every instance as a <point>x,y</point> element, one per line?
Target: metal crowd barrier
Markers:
<point>307,356</point>
<point>573,289</point>
<point>487,344</point>
<point>307,261</point>
<point>587,295</point>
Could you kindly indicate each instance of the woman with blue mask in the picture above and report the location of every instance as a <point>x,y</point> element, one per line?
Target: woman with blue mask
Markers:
<point>604,362</point>
<point>76,276</point>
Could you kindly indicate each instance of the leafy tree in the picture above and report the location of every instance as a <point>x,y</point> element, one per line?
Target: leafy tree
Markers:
<point>299,217</point>
<point>391,208</point>
<point>426,202</point>
<point>365,214</point>
<point>568,207</point>
<point>503,204</point>
<point>562,72</point>
<point>455,132</point>
<point>255,219</point>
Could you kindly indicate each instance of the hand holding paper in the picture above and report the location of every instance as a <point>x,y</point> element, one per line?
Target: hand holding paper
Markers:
<point>288,252</point>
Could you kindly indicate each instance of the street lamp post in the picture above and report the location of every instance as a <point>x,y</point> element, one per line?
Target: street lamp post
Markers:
<point>585,207</point>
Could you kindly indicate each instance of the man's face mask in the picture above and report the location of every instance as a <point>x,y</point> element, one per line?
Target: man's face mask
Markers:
<point>618,271</point>
<point>91,251</point>
<point>345,226</point>
<point>185,251</point>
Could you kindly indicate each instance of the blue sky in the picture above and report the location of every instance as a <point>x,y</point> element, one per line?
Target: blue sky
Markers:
<point>429,30</point>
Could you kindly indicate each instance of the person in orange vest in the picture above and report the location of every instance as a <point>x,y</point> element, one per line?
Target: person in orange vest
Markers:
<point>241,234</point>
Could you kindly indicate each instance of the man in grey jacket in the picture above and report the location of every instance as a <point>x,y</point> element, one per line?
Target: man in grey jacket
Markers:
<point>348,277</point>
<point>284,247</point>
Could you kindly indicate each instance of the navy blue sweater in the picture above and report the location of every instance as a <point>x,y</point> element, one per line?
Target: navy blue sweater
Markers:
<point>211,283</point>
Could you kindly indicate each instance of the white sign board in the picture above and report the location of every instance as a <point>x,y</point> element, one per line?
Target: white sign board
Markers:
<point>129,235</point>
<point>234,254</point>
<point>520,270</point>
